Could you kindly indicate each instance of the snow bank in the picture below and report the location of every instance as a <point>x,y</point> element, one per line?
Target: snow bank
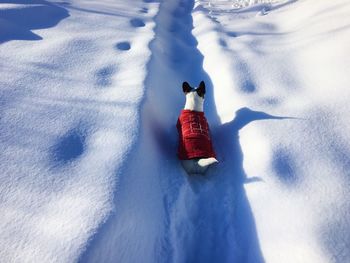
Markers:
<point>287,60</point>
<point>71,87</point>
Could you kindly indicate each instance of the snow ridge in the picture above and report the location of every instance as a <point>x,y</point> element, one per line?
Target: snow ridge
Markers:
<point>70,102</point>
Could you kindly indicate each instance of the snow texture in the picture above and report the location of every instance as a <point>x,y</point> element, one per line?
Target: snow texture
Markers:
<point>90,92</point>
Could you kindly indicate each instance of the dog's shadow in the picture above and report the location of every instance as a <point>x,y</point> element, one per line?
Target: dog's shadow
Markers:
<point>223,216</point>
<point>226,137</point>
<point>228,148</point>
<point>214,206</point>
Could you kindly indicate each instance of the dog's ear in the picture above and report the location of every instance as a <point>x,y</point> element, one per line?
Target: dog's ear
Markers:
<point>201,89</point>
<point>186,87</point>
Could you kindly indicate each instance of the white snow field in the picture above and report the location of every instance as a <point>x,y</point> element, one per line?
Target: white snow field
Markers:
<point>90,92</point>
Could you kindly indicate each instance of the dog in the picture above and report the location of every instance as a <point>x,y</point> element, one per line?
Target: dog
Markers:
<point>195,149</point>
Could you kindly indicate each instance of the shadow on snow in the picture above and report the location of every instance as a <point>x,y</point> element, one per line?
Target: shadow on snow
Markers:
<point>224,224</point>
<point>203,219</point>
<point>19,19</point>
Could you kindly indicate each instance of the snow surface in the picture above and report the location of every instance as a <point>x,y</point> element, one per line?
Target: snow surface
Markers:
<point>90,92</point>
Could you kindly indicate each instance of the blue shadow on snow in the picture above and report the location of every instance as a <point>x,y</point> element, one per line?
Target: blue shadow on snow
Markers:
<point>284,167</point>
<point>68,148</point>
<point>17,23</point>
<point>223,223</point>
<point>104,76</point>
<point>231,234</point>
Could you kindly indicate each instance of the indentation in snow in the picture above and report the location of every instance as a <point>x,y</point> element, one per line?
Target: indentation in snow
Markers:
<point>137,22</point>
<point>285,167</point>
<point>69,147</point>
<point>125,45</point>
<point>104,76</point>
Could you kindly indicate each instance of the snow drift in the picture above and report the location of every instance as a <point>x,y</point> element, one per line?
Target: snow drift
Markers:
<point>89,97</point>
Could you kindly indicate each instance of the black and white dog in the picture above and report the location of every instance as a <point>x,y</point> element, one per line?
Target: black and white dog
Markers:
<point>195,148</point>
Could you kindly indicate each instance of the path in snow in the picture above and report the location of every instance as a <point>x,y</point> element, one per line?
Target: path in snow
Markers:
<point>73,147</point>
<point>161,213</point>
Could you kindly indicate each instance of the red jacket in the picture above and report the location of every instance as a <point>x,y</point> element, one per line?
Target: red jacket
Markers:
<point>194,136</point>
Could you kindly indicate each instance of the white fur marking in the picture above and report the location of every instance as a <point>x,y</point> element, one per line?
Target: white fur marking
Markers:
<point>194,102</point>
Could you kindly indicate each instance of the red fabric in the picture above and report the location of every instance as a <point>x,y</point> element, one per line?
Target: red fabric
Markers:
<point>194,136</point>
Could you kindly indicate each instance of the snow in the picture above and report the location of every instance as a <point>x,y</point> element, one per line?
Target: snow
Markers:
<point>292,67</point>
<point>90,92</point>
<point>69,117</point>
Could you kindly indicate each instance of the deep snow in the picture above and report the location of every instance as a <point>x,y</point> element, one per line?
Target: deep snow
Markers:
<point>90,92</point>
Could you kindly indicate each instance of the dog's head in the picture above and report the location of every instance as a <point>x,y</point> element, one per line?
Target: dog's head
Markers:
<point>194,96</point>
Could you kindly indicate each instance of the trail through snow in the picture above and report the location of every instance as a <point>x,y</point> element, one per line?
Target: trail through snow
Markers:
<point>90,95</point>
<point>186,219</point>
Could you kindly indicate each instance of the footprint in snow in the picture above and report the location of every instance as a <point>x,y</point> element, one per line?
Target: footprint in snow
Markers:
<point>136,22</point>
<point>222,42</point>
<point>125,45</point>
<point>104,76</point>
<point>69,147</point>
<point>248,87</point>
<point>284,167</point>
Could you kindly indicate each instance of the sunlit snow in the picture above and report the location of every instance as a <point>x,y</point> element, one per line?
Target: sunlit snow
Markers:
<point>90,92</point>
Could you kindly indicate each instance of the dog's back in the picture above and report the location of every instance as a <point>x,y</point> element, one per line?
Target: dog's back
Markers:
<point>195,149</point>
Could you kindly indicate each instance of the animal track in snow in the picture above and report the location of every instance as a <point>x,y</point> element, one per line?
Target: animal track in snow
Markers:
<point>69,147</point>
<point>222,42</point>
<point>285,167</point>
<point>125,45</point>
<point>137,22</point>
<point>248,86</point>
<point>104,76</point>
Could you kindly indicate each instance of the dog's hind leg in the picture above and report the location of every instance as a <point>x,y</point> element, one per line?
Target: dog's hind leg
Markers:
<point>198,166</point>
